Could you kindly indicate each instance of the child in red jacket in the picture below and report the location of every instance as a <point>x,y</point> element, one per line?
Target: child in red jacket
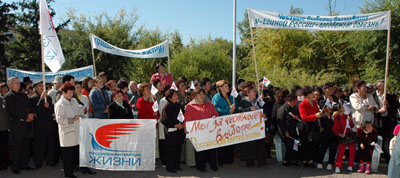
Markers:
<point>342,128</point>
<point>366,137</point>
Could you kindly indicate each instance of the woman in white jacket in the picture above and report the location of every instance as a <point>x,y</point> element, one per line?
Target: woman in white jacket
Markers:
<point>363,104</point>
<point>68,112</point>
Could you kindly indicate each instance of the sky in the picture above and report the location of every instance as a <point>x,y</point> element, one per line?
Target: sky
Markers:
<point>196,19</point>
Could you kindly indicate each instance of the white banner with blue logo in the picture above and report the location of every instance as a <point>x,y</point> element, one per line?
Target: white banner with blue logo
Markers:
<point>118,144</point>
<point>78,73</point>
<point>372,21</point>
<point>157,51</point>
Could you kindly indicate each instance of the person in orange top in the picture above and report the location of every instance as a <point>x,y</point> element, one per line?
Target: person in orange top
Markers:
<point>87,85</point>
<point>309,113</point>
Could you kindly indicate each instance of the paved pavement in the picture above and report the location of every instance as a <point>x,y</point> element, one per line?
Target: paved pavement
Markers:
<point>273,170</point>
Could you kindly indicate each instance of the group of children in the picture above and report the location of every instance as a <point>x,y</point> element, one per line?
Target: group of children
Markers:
<point>366,136</point>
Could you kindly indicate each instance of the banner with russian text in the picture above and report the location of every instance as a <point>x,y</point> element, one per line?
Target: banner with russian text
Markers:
<point>226,130</point>
<point>372,21</point>
<point>118,144</point>
<point>78,73</point>
<point>157,51</point>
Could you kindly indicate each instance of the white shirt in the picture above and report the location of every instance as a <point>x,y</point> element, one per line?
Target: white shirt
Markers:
<point>360,108</point>
<point>380,101</point>
<point>65,110</point>
<point>52,93</point>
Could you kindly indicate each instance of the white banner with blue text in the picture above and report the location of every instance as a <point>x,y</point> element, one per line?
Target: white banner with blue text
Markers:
<point>157,51</point>
<point>117,144</point>
<point>372,21</point>
<point>78,73</point>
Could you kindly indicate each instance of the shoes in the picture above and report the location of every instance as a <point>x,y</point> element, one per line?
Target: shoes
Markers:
<point>214,169</point>
<point>29,168</point>
<point>329,167</point>
<point>235,165</point>
<point>311,165</point>
<point>178,169</point>
<point>88,171</point>
<point>16,171</point>
<point>73,176</point>
<point>319,166</point>
<point>368,169</point>
<point>163,166</point>
<point>202,169</point>
<point>350,169</point>
<point>361,168</point>
<point>337,170</point>
<point>171,170</point>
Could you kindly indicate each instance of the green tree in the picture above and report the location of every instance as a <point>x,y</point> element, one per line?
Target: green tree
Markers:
<point>205,58</point>
<point>6,23</point>
<point>24,52</point>
<point>371,45</point>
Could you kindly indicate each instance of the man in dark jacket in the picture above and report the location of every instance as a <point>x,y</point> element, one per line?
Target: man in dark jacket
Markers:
<point>385,121</point>
<point>287,120</point>
<point>44,127</point>
<point>4,127</point>
<point>20,113</point>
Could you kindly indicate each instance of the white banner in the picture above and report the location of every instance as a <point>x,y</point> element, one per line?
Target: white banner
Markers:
<point>118,144</point>
<point>53,55</point>
<point>78,73</point>
<point>373,21</point>
<point>226,130</point>
<point>158,51</point>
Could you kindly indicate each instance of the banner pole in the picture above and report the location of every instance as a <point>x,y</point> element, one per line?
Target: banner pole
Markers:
<point>387,54</point>
<point>43,68</point>
<point>94,62</point>
<point>169,65</point>
<point>234,46</point>
<point>254,52</point>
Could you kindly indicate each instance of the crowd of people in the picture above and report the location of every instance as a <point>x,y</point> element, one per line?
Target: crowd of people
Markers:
<point>311,121</point>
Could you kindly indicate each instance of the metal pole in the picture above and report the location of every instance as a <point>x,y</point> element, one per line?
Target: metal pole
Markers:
<point>387,54</point>
<point>234,46</point>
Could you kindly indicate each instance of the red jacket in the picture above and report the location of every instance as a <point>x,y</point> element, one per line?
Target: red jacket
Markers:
<point>339,126</point>
<point>307,112</point>
<point>145,109</point>
<point>196,111</point>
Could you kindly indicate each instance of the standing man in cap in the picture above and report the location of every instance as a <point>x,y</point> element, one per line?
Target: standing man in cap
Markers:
<point>55,88</point>
<point>27,81</point>
<point>21,113</point>
<point>44,127</point>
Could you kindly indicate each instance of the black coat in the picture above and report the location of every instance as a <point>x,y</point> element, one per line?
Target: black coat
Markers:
<point>117,112</point>
<point>44,116</point>
<point>169,120</point>
<point>286,123</point>
<point>18,106</point>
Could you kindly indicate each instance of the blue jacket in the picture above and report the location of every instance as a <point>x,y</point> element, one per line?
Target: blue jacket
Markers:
<point>99,100</point>
<point>222,105</point>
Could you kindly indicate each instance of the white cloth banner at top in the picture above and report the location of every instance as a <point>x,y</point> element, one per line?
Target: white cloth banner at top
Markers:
<point>53,55</point>
<point>372,21</point>
<point>117,144</point>
<point>157,51</point>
